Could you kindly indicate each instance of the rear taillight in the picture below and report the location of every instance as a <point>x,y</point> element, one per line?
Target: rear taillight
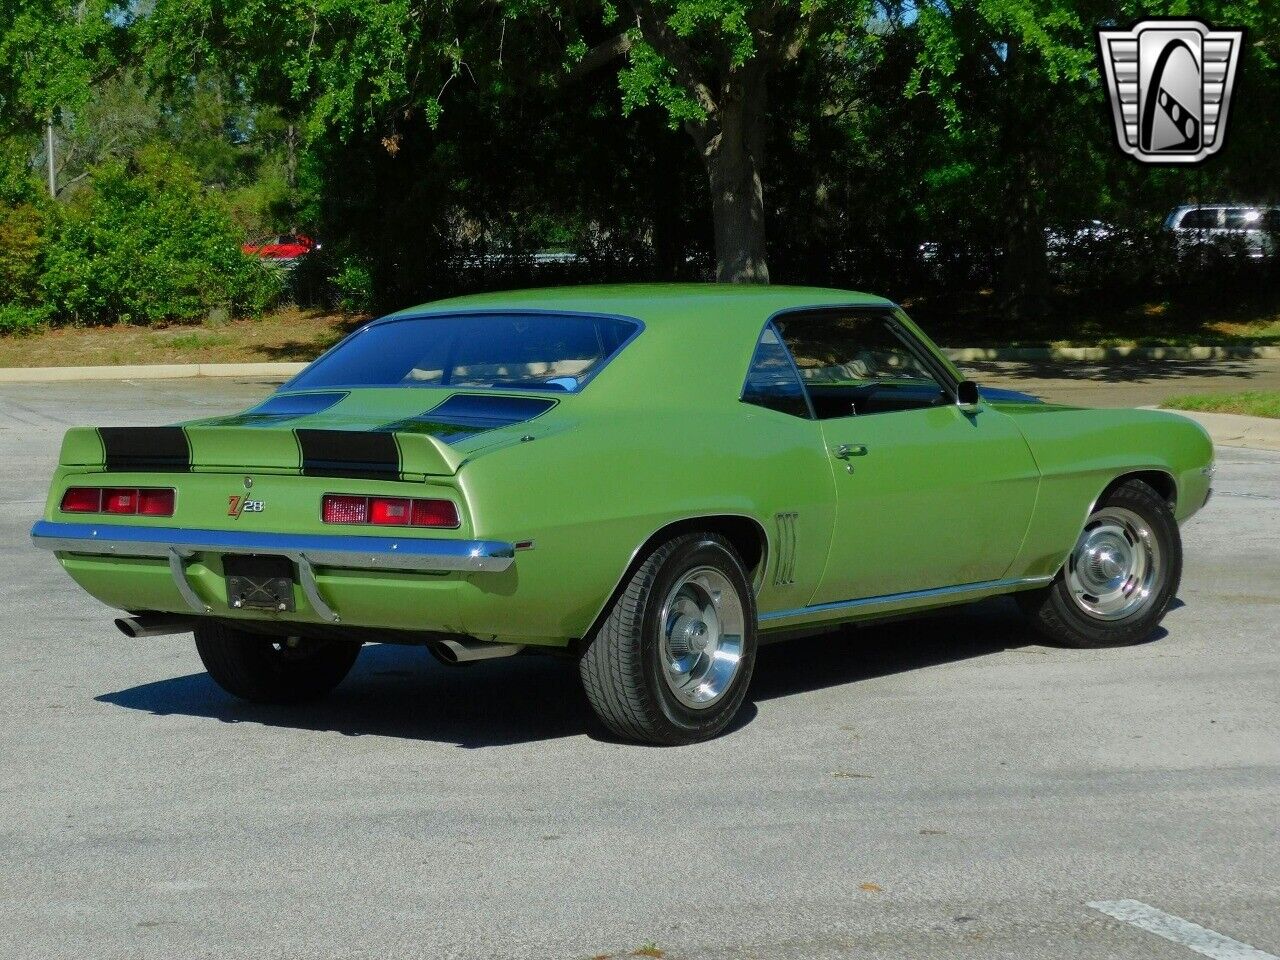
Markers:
<point>119,501</point>
<point>434,513</point>
<point>388,511</point>
<point>147,501</point>
<point>82,500</point>
<point>155,503</point>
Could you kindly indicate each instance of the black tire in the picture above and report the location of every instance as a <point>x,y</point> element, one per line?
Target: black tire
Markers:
<point>1054,612</point>
<point>621,667</point>
<point>264,670</point>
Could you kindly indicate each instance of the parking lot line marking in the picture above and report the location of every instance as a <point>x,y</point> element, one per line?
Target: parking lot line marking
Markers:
<point>1175,929</point>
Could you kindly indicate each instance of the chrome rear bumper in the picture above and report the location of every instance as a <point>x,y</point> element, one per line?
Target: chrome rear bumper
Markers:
<point>177,544</point>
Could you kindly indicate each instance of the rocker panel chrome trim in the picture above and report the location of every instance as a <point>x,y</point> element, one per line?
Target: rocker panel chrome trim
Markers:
<point>958,592</point>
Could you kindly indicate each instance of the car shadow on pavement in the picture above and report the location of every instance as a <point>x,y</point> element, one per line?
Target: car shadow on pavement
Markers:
<point>399,691</point>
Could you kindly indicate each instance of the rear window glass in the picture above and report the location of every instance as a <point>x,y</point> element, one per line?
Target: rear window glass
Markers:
<point>506,350</point>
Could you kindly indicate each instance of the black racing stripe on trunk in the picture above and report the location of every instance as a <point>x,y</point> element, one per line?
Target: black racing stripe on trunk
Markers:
<point>349,453</point>
<point>136,449</point>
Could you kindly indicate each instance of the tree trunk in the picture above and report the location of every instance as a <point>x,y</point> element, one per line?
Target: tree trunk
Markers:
<point>732,148</point>
<point>1025,274</point>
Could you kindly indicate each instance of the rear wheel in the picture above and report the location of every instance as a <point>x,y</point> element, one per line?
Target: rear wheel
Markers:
<point>269,670</point>
<point>1123,573</point>
<point>673,659</point>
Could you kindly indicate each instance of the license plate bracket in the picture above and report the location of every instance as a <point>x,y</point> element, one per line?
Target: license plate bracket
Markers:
<point>259,582</point>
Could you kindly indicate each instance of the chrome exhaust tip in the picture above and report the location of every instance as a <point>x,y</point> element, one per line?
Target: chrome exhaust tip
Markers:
<point>453,651</point>
<point>154,625</point>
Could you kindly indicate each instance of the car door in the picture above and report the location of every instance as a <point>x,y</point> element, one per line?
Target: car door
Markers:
<point>927,494</point>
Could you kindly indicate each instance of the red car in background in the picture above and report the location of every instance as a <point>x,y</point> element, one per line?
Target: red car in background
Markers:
<point>285,248</point>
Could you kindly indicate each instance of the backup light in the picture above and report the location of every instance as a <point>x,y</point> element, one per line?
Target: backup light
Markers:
<point>82,500</point>
<point>388,511</point>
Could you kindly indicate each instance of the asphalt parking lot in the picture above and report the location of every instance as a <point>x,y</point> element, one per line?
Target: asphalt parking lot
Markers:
<point>945,788</point>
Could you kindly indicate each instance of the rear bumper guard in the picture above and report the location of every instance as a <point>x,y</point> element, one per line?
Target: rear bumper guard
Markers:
<point>176,545</point>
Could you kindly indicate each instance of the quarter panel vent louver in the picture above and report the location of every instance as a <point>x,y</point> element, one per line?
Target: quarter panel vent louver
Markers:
<point>784,570</point>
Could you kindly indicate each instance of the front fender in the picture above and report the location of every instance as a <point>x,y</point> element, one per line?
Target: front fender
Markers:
<point>1080,452</point>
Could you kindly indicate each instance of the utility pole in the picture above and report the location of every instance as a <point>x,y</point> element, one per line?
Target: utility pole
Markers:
<point>53,182</point>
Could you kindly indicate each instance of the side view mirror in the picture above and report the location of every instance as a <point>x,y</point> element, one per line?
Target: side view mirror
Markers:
<point>967,396</point>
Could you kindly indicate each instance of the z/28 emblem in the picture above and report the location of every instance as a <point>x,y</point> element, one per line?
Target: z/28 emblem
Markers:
<point>237,505</point>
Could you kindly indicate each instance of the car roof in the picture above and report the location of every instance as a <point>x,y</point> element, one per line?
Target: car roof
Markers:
<point>658,304</point>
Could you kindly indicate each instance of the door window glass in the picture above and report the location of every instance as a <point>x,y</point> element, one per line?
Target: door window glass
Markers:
<point>856,363</point>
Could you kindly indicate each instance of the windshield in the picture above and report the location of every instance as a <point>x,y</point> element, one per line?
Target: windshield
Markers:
<point>526,351</point>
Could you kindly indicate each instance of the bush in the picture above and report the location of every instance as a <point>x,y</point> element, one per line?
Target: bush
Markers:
<point>17,319</point>
<point>354,283</point>
<point>147,244</point>
<point>20,249</point>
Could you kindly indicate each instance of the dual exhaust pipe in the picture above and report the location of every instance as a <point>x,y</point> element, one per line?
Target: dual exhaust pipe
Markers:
<point>154,625</point>
<point>453,651</point>
<point>449,650</point>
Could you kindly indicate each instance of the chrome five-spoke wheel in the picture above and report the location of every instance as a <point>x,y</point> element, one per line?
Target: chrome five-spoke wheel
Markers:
<point>1115,564</point>
<point>702,630</point>
<point>672,661</point>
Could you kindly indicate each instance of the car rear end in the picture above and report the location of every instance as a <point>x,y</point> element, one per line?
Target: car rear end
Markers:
<point>317,526</point>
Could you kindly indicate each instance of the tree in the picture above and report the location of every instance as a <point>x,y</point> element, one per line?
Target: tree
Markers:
<point>53,55</point>
<point>709,64</point>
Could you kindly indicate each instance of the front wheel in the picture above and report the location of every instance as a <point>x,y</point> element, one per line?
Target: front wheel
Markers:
<point>1123,573</point>
<point>267,670</point>
<point>673,659</point>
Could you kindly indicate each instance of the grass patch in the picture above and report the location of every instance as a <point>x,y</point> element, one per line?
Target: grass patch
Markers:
<point>1253,403</point>
<point>194,341</point>
<point>290,334</point>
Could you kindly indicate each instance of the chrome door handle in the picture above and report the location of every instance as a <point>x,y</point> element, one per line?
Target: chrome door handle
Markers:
<point>847,450</point>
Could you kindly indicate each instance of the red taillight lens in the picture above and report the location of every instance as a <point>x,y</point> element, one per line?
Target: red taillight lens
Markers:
<point>155,503</point>
<point>342,509</point>
<point>434,513</point>
<point>119,501</point>
<point>389,511</point>
<point>82,500</point>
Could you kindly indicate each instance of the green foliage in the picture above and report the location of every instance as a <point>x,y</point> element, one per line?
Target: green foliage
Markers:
<point>1253,403</point>
<point>21,244</point>
<point>354,283</point>
<point>434,145</point>
<point>53,54</point>
<point>147,244</point>
<point>17,319</point>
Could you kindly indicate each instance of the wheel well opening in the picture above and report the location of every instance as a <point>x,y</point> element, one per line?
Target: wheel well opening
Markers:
<point>745,535</point>
<point>1157,480</point>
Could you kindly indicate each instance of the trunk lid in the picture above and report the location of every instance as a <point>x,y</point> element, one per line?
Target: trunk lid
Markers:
<point>390,434</point>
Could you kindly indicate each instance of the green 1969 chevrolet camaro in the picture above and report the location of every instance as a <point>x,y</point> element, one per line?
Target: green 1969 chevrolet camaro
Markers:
<point>651,479</point>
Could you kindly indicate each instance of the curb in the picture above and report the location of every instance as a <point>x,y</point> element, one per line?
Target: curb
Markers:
<point>154,371</point>
<point>1233,429</point>
<point>970,354</point>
